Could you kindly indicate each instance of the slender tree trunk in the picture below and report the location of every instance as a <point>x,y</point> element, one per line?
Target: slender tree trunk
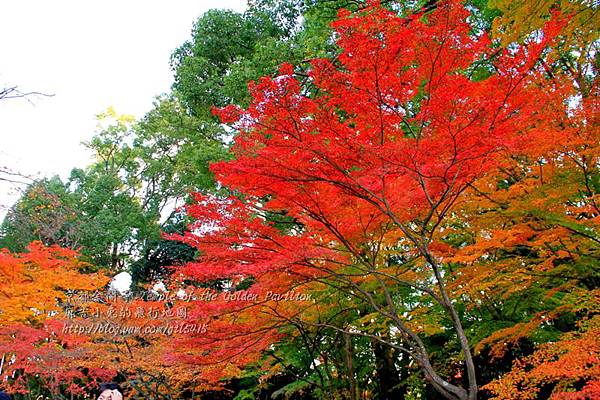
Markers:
<point>349,354</point>
<point>114,257</point>
<point>388,376</point>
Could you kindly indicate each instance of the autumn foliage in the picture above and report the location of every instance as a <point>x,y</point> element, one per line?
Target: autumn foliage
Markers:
<point>374,159</point>
<point>61,329</point>
<point>34,288</point>
<point>429,192</point>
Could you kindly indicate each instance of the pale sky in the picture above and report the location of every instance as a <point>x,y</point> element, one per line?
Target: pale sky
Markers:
<point>91,55</point>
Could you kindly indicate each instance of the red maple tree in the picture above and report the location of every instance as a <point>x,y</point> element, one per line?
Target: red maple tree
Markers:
<point>365,159</point>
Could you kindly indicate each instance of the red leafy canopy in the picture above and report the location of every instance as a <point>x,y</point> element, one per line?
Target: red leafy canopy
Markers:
<point>396,124</point>
<point>389,133</point>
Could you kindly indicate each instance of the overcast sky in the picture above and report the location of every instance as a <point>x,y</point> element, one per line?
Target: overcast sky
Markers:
<point>91,55</point>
